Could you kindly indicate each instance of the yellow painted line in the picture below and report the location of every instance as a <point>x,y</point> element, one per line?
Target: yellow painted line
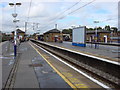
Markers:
<point>81,86</point>
<point>74,80</point>
<point>64,78</point>
<point>47,57</point>
<point>67,74</point>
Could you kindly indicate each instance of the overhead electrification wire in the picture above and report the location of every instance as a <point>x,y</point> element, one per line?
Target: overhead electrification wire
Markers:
<point>68,9</point>
<point>28,15</point>
<point>81,7</point>
<point>60,14</point>
<point>109,19</point>
<point>77,8</point>
<point>29,10</point>
<point>106,20</point>
<point>57,15</point>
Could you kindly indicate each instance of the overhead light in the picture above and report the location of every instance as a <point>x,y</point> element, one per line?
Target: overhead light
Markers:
<point>96,21</point>
<point>14,15</point>
<point>18,4</point>
<point>11,4</point>
<point>16,20</point>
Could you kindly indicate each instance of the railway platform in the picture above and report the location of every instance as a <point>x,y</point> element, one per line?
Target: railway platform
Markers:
<point>6,60</point>
<point>37,68</point>
<point>25,75</point>
<point>103,67</point>
<point>104,51</point>
<point>32,71</point>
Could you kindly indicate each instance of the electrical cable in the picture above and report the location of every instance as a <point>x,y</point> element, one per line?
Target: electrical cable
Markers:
<point>76,9</point>
<point>81,7</point>
<point>29,10</point>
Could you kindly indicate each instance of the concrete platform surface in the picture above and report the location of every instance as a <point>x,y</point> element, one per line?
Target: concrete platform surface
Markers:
<point>71,76</point>
<point>34,72</point>
<point>104,51</point>
<point>7,58</point>
<point>25,77</point>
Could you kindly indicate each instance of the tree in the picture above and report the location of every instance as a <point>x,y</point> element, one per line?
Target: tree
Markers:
<point>89,29</point>
<point>114,29</point>
<point>99,28</point>
<point>107,28</point>
<point>67,31</point>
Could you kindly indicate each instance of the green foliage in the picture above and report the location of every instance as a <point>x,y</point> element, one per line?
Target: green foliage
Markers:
<point>99,28</point>
<point>90,29</point>
<point>67,31</point>
<point>114,29</point>
<point>107,28</point>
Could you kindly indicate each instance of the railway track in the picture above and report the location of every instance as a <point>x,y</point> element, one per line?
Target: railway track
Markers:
<point>110,79</point>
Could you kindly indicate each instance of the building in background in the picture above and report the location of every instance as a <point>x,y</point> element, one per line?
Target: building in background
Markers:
<point>115,37</point>
<point>5,36</point>
<point>66,37</point>
<point>20,34</point>
<point>41,37</point>
<point>53,35</point>
<point>103,36</point>
<point>38,36</point>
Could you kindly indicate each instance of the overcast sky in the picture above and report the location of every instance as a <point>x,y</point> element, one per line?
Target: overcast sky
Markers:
<point>65,13</point>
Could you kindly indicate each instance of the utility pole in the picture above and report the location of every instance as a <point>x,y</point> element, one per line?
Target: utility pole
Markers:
<point>25,27</point>
<point>55,26</point>
<point>37,25</point>
<point>96,35</point>
<point>33,26</point>
<point>15,21</point>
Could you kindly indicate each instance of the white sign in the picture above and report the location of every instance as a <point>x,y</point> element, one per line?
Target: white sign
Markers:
<point>119,15</point>
<point>79,34</point>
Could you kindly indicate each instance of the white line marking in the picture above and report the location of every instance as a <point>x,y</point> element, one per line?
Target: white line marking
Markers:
<point>94,80</point>
<point>102,59</point>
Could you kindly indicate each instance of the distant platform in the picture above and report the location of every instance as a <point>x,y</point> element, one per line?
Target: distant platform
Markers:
<point>79,44</point>
<point>103,51</point>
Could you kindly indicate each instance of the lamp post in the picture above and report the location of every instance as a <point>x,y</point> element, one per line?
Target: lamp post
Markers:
<point>111,36</point>
<point>96,34</point>
<point>15,21</point>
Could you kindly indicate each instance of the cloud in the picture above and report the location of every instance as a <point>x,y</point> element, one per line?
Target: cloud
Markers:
<point>57,0</point>
<point>37,10</point>
<point>50,12</point>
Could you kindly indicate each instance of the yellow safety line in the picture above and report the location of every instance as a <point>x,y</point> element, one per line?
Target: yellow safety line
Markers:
<point>64,78</point>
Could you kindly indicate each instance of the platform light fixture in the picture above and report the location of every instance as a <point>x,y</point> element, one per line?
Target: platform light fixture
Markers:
<point>15,21</point>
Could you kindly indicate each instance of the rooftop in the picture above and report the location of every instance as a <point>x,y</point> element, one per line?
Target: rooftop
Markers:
<point>53,31</point>
<point>19,31</point>
<point>99,31</point>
